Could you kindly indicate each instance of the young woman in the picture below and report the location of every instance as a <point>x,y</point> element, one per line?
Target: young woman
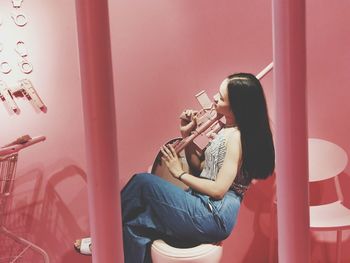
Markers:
<point>243,150</point>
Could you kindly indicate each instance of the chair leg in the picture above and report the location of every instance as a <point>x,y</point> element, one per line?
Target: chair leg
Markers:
<point>273,235</point>
<point>339,241</point>
<point>272,248</point>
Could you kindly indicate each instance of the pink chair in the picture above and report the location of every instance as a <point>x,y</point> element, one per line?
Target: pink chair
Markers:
<point>326,161</point>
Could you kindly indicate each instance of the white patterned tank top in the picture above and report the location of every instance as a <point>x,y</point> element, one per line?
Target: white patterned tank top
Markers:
<point>214,157</point>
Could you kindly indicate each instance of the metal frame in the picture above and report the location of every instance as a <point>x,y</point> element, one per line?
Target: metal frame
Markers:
<point>8,164</point>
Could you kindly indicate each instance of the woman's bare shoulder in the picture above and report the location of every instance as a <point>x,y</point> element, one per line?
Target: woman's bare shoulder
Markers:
<point>233,135</point>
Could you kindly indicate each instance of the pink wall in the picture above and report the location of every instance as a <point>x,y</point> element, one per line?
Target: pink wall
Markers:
<point>49,205</point>
<point>164,52</point>
<point>328,39</point>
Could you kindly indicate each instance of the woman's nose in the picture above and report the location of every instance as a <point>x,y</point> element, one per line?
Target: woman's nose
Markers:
<point>216,98</point>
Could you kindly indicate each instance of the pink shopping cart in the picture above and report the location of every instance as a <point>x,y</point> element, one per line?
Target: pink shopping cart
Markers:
<point>12,247</point>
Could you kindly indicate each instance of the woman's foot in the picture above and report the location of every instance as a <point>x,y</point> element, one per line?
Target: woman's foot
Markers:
<point>83,246</point>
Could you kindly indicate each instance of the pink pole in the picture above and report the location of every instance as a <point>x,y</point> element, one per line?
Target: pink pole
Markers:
<point>100,129</point>
<point>291,130</point>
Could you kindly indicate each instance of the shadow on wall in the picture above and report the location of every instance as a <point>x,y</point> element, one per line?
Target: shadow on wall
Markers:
<point>54,222</point>
<point>249,241</point>
<point>17,213</point>
<point>63,212</point>
<point>20,207</point>
<point>259,201</point>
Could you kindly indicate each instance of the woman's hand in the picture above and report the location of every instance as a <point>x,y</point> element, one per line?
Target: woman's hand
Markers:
<point>171,160</point>
<point>188,122</point>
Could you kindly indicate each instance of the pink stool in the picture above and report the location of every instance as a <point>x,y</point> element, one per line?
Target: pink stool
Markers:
<point>161,252</point>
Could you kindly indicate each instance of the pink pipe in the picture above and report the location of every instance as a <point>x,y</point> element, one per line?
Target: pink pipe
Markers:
<point>100,129</point>
<point>291,130</point>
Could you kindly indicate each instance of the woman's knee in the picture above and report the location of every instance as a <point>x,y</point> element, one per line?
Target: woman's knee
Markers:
<point>151,185</point>
<point>136,181</point>
<point>140,177</point>
<point>145,179</point>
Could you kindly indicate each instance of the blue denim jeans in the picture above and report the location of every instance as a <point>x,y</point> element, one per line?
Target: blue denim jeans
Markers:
<point>153,208</point>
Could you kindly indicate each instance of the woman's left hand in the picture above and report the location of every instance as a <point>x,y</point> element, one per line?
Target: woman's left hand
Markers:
<point>171,160</point>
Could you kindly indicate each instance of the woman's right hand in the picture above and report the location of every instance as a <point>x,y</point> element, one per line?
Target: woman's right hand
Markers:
<point>188,122</point>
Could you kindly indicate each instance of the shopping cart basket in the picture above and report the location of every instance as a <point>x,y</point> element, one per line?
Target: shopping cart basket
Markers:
<point>17,249</point>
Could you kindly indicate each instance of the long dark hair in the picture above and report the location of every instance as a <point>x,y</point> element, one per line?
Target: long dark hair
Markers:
<point>248,104</point>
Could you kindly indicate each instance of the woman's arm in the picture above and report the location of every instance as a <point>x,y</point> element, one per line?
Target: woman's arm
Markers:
<point>217,189</point>
<point>195,158</point>
<point>194,155</point>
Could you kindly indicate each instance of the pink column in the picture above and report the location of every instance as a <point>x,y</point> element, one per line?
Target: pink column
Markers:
<point>291,130</point>
<point>100,128</point>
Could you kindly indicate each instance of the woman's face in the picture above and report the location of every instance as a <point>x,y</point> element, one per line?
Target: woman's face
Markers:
<point>221,101</point>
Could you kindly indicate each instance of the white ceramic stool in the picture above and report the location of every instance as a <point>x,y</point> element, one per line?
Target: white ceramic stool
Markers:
<point>161,252</point>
